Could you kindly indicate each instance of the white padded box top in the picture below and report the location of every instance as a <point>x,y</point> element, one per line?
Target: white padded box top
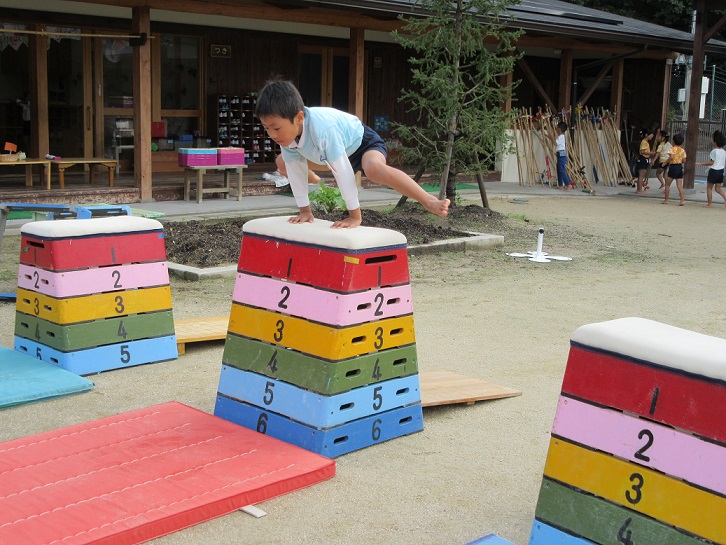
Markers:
<point>320,233</point>
<point>659,344</point>
<point>90,226</point>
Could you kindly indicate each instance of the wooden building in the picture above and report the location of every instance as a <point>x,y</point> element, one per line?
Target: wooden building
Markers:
<point>100,75</point>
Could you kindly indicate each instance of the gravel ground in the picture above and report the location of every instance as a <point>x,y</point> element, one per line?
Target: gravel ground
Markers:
<point>475,469</point>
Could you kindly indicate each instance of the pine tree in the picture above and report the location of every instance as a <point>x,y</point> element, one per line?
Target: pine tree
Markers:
<point>460,50</point>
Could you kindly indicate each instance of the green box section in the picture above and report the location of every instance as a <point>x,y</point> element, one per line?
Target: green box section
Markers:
<point>603,522</point>
<point>315,374</point>
<point>82,335</point>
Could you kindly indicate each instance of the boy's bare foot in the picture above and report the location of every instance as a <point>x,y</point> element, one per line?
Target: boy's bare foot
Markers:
<point>640,192</point>
<point>682,203</point>
<point>346,223</point>
<point>664,202</point>
<point>438,207</point>
<point>707,206</point>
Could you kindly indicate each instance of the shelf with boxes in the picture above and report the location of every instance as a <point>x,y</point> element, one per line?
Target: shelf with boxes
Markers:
<point>237,127</point>
<point>229,121</point>
<point>261,148</point>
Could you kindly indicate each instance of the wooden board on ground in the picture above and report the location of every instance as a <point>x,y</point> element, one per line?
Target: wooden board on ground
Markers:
<point>194,330</point>
<point>437,387</point>
<point>446,388</point>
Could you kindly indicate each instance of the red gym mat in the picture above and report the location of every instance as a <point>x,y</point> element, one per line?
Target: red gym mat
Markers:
<point>139,475</point>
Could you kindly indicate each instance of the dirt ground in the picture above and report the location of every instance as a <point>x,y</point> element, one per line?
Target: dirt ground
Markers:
<point>474,469</point>
<point>212,243</point>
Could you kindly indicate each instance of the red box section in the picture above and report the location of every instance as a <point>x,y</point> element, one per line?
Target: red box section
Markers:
<point>323,268</point>
<point>136,476</point>
<point>692,404</point>
<point>62,254</point>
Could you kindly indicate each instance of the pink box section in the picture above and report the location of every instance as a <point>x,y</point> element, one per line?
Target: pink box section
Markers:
<point>97,280</point>
<point>230,156</point>
<point>675,453</point>
<point>136,476</point>
<point>322,306</point>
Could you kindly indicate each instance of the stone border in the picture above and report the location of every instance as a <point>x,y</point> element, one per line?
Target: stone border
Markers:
<point>475,243</point>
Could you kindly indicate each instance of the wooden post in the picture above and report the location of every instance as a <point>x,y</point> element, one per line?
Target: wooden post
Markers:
<point>357,78</point>
<point>357,71</point>
<point>141,24</point>
<point>694,93</point>
<point>565,94</point>
<point>40,131</point>
<point>616,92</point>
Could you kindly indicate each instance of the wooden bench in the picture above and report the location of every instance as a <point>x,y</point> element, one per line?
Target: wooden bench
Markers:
<point>28,164</point>
<point>201,170</point>
<point>65,163</point>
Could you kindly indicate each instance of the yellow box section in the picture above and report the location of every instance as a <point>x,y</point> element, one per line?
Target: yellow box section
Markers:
<point>320,340</point>
<point>654,494</point>
<point>93,307</point>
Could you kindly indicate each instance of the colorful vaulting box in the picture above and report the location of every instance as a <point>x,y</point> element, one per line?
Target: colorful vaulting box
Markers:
<point>638,447</point>
<point>94,294</point>
<point>197,157</point>
<point>321,350</point>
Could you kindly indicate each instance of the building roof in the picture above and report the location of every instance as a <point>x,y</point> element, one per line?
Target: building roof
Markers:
<point>553,18</point>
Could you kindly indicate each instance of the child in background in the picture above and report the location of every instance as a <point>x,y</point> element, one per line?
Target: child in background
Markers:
<point>643,164</point>
<point>661,158</point>
<point>338,140</point>
<point>674,164</point>
<point>717,164</point>
<point>563,180</point>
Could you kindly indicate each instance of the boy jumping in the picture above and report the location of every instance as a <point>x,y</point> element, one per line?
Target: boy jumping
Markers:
<point>338,140</point>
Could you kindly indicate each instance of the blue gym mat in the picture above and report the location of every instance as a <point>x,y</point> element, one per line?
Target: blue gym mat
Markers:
<point>24,379</point>
<point>490,539</point>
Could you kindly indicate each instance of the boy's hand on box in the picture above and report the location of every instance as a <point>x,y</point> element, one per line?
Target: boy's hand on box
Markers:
<point>302,217</point>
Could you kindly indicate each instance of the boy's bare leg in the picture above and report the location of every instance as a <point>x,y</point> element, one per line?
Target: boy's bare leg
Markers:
<point>280,164</point>
<point>709,195</point>
<point>376,169</point>
<point>679,185</point>
<point>667,189</point>
<point>640,183</point>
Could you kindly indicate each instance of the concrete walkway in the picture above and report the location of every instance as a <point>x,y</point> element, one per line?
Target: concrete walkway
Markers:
<point>379,197</point>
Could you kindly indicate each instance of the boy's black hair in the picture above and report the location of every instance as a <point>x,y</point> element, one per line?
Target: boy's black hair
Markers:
<point>678,139</point>
<point>562,126</point>
<point>279,98</point>
<point>664,134</point>
<point>719,139</point>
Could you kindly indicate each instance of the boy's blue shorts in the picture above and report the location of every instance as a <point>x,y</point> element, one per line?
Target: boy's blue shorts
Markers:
<point>371,141</point>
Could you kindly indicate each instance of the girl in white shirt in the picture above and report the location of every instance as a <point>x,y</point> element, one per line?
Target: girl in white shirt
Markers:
<point>717,164</point>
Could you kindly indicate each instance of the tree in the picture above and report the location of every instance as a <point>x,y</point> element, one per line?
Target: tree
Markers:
<point>461,50</point>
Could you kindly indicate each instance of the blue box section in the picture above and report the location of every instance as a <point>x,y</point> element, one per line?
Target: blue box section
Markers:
<point>332,442</point>
<point>311,408</point>
<point>102,358</point>
<point>198,151</point>
<point>544,534</point>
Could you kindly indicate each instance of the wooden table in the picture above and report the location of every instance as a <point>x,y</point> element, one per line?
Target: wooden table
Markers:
<point>65,163</point>
<point>200,181</point>
<point>28,163</point>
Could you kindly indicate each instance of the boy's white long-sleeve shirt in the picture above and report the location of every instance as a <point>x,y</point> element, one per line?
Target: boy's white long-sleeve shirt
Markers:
<point>328,137</point>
